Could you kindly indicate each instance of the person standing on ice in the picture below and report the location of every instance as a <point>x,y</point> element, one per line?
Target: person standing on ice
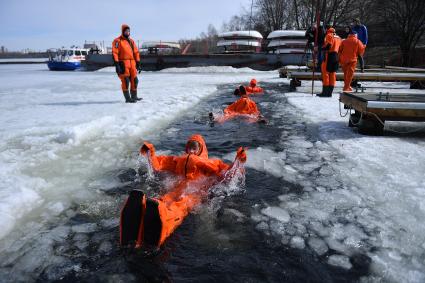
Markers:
<point>350,49</point>
<point>330,64</point>
<point>361,31</point>
<point>127,62</point>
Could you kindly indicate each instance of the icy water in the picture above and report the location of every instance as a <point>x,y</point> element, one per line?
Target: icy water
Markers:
<point>231,238</point>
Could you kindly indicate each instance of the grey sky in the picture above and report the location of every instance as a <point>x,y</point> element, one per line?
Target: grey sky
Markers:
<point>42,24</point>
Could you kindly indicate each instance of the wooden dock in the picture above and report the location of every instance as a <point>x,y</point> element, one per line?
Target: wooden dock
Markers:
<point>373,109</point>
<point>283,72</point>
<point>416,79</point>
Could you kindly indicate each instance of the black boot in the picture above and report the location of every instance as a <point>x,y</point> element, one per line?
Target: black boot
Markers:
<point>324,92</point>
<point>330,91</point>
<point>134,95</point>
<point>127,97</point>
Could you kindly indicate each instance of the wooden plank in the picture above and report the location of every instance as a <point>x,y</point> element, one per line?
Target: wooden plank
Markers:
<point>413,110</point>
<point>353,102</point>
<point>412,70</point>
<point>389,97</point>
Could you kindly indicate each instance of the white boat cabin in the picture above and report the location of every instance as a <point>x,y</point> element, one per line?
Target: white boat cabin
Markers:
<point>287,41</point>
<point>248,41</point>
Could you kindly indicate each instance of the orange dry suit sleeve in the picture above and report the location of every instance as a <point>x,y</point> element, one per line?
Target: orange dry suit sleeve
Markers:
<point>136,53</point>
<point>253,89</point>
<point>213,167</point>
<point>115,49</point>
<point>218,167</point>
<point>161,162</point>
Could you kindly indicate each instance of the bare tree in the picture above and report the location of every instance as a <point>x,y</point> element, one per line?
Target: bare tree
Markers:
<point>406,20</point>
<point>272,13</point>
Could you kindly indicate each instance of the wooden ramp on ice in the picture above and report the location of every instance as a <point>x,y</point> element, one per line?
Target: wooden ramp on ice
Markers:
<point>416,80</point>
<point>371,110</point>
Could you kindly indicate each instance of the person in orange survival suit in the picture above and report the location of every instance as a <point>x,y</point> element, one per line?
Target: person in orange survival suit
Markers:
<point>163,215</point>
<point>127,62</point>
<point>330,64</point>
<point>244,106</point>
<point>253,88</point>
<point>350,49</point>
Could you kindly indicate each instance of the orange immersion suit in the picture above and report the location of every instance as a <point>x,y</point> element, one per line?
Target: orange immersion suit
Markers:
<point>244,106</point>
<point>330,64</point>
<point>126,53</point>
<point>253,88</point>
<point>350,49</point>
<point>199,173</point>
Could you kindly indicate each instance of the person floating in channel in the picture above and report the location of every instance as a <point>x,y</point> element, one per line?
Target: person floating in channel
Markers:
<point>253,88</point>
<point>243,107</point>
<point>148,222</point>
<point>127,62</point>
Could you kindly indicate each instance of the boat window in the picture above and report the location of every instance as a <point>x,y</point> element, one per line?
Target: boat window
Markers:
<point>70,52</point>
<point>77,52</point>
<point>63,52</point>
<point>84,52</point>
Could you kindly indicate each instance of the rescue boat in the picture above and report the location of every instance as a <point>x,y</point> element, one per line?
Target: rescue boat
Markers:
<point>287,41</point>
<point>66,59</point>
<point>248,41</point>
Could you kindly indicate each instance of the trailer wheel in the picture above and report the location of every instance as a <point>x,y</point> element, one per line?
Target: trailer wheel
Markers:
<point>292,85</point>
<point>370,126</point>
<point>354,119</point>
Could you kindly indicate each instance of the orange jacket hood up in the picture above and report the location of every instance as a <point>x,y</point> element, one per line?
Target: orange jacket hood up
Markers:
<point>123,28</point>
<point>198,138</point>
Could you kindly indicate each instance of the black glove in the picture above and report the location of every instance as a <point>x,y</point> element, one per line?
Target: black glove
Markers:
<point>138,66</point>
<point>118,68</point>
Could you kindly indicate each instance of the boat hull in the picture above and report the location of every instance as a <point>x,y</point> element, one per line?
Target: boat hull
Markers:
<point>63,66</point>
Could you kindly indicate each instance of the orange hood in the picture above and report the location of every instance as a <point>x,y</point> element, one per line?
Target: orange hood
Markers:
<point>253,82</point>
<point>124,27</point>
<point>204,151</point>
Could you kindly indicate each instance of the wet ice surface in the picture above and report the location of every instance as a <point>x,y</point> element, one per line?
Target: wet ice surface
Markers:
<point>301,216</point>
<point>383,190</point>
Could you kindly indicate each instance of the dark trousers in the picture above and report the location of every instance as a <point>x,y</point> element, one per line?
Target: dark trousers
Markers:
<point>361,61</point>
<point>319,57</point>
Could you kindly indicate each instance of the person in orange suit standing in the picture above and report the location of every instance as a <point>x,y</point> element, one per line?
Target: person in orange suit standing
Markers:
<point>253,88</point>
<point>150,221</point>
<point>127,62</point>
<point>349,51</point>
<point>330,64</point>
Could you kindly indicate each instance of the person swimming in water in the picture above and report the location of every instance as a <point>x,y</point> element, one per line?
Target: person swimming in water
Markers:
<point>150,221</point>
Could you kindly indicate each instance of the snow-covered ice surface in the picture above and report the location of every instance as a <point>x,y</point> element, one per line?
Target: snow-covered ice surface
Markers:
<point>62,133</point>
<point>24,60</point>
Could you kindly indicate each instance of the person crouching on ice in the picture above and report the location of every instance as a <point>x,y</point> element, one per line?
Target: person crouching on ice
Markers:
<point>127,62</point>
<point>253,88</point>
<point>149,221</point>
<point>243,107</point>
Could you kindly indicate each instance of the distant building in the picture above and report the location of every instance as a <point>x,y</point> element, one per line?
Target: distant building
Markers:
<point>3,49</point>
